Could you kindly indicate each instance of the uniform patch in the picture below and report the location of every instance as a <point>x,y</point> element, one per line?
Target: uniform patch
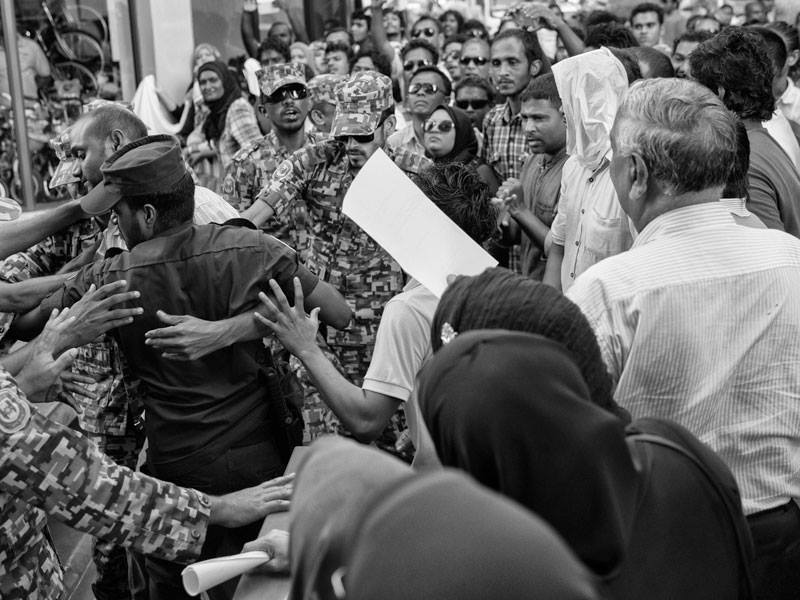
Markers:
<point>283,170</point>
<point>14,413</point>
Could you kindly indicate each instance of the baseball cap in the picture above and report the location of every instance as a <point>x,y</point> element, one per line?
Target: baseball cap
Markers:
<point>360,103</point>
<point>146,166</point>
<point>274,77</point>
<point>322,87</point>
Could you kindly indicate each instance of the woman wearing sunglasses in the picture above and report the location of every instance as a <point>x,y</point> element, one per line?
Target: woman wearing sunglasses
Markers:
<point>450,138</point>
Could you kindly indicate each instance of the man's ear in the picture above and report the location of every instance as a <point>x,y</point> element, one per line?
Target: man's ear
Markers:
<point>118,139</point>
<point>535,68</point>
<point>150,215</point>
<point>640,176</point>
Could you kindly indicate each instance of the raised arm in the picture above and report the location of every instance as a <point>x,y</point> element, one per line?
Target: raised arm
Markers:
<point>16,236</point>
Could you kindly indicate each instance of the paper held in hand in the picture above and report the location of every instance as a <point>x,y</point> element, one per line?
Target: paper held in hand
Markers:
<point>386,204</point>
<point>206,574</point>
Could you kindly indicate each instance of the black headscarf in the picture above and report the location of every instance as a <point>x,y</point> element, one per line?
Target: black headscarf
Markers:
<point>512,410</point>
<point>364,520</point>
<point>214,124</point>
<point>500,299</point>
<point>465,147</point>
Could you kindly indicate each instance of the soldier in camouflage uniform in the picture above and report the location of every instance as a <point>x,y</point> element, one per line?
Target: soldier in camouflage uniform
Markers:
<point>331,245</point>
<point>284,99</point>
<point>323,102</point>
<point>46,468</point>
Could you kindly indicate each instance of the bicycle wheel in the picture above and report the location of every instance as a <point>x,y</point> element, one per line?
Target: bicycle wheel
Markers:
<point>75,70</point>
<point>79,46</point>
<point>88,19</point>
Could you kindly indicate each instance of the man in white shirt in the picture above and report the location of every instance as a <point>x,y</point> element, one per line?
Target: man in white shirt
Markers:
<point>699,321</point>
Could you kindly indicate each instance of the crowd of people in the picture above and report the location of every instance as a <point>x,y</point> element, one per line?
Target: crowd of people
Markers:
<point>611,412</point>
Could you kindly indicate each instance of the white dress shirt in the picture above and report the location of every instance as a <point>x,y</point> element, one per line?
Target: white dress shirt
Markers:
<point>699,322</point>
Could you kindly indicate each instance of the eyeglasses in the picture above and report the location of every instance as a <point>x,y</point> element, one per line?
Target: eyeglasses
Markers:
<point>478,60</point>
<point>295,92</point>
<point>426,31</point>
<point>471,104</point>
<point>425,88</point>
<point>411,65</point>
<point>361,139</point>
<point>440,126</point>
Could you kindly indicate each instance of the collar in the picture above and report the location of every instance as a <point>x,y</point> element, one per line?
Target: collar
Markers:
<point>506,115</point>
<point>680,220</point>
<point>560,155</point>
<point>736,206</point>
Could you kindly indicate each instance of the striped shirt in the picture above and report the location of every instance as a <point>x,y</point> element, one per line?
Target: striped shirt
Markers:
<point>700,322</point>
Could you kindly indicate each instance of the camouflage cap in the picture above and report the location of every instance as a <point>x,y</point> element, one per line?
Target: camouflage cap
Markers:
<point>322,87</point>
<point>360,102</point>
<point>274,77</point>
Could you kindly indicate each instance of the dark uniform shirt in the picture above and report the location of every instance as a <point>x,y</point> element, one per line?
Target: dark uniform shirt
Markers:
<point>337,250</point>
<point>195,409</point>
<point>46,468</point>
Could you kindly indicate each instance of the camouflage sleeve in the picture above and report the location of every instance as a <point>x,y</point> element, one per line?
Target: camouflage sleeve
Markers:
<point>60,471</point>
<point>289,181</point>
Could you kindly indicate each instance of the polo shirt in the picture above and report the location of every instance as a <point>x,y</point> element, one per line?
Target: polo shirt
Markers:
<point>212,272</point>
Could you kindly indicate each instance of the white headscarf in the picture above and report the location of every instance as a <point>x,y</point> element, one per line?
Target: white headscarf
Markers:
<point>591,86</point>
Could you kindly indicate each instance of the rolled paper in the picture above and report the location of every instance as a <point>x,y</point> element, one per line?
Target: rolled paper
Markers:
<point>203,575</point>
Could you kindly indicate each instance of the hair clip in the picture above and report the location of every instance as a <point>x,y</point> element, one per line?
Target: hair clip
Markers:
<point>448,333</point>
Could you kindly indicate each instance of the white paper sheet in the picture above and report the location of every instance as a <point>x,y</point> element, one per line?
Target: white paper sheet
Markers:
<point>206,574</point>
<point>386,204</point>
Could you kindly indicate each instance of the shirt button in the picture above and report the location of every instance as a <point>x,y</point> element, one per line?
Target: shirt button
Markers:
<point>195,534</point>
<point>591,179</point>
<point>204,500</point>
<point>577,243</point>
<point>583,211</point>
<point>572,274</point>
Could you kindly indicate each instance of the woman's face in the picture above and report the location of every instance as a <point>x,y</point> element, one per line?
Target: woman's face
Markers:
<point>202,56</point>
<point>298,56</point>
<point>449,26</point>
<point>210,86</point>
<point>439,143</point>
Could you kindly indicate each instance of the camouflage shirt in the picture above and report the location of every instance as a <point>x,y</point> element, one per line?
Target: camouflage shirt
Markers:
<point>46,468</point>
<point>334,248</point>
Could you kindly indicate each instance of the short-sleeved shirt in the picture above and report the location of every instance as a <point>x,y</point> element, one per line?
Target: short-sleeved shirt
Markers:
<point>590,223</point>
<point>505,147</point>
<point>403,342</point>
<point>49,468</point>
<point>541,189</point>
<point>212,272</point>
<point>251,170</point>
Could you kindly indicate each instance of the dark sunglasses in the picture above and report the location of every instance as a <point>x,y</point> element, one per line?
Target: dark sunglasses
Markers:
<point>477,33</point>
<point>411,65</point>
<point>295,92</point>
<point>478,60</point>
<point>425,88</point>
<point>471,104</point>
<point>440,126</point>
<point>426,31</point>
<point>361,139</point>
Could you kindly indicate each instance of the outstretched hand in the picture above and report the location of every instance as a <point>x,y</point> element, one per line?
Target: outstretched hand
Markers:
<point>185,337</point>
<point>96,313</point>
<point>296,330</point>
<point>254,503</point>
<point>45,364</point>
